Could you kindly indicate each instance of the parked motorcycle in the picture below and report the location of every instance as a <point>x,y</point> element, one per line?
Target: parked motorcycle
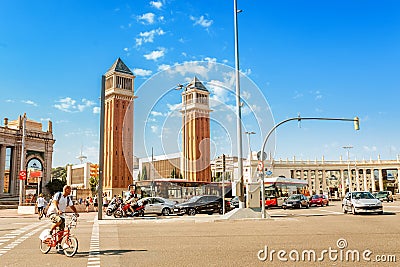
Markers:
<point>113,206</point>
<point>123,210</point>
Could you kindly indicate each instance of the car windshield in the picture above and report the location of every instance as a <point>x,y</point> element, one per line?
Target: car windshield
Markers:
<point>194,199</point>
<point>316,197</point>
<point>362,195</point>
<point>294,197</point>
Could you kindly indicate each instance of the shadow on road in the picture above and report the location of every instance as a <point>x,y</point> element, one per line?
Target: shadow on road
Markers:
<point>108,252</point>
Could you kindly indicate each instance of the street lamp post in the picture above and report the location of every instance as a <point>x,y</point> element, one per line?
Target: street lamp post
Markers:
<point>184,149</point>
<point>348,167</point>
<point>22,167</point>
<point>238,109</point>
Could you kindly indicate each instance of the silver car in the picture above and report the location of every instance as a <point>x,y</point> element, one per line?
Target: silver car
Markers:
<point>361,201</point>
<point>158,205</point>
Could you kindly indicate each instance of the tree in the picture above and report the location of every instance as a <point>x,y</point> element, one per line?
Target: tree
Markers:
<point>138,176</point>
<point>144,174</point>
<point>59,173</point>
<point>55,185</point>
<point>93,183</point>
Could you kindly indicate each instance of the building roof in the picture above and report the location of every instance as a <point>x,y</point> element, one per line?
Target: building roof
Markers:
<point>119,66</point>
<point>196,84</point>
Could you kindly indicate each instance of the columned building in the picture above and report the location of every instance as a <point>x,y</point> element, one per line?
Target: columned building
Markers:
<point>196,132</point>
<point>37,156</point>
<point>118,128</point>
<point>338,177</point>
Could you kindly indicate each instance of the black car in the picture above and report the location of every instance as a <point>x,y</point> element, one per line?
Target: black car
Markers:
<point>384,196</point>
<point>200,204</point>
<point>296,201</point>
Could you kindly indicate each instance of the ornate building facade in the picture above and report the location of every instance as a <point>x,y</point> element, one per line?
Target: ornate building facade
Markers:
<point>36,159</point>
<point>196,132</point>
<point>118,128</point>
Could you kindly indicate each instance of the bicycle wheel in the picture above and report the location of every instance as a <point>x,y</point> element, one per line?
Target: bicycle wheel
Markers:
<point>70,246</point>
<point>44,248</point>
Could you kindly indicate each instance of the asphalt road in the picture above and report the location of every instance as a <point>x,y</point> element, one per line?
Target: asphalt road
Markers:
<point>204,240</point>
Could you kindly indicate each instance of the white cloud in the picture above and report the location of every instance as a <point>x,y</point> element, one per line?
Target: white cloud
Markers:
<point>156,113</point>
<point>163,67</point>
<point>142,72</point>
<point>201,21</point>
<point>148,37</point>
<point>154,128</point>
<point>68,104</point>
<point>156,54</point>
<point>175,107</point>
<point>126,49</point>
<point>147,18</point>
<point>297,95</point>
<point>156,4</point>
<point>96,110</point>
<point>29,102</point>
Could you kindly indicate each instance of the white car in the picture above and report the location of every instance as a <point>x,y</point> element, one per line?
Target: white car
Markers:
<point>361,201</point>
<point>158,205</point>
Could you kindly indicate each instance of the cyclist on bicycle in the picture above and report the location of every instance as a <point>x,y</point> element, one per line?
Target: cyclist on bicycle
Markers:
<point>59,203</point>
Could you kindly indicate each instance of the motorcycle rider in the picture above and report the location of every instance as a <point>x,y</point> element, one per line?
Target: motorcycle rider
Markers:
<point>133,201</point>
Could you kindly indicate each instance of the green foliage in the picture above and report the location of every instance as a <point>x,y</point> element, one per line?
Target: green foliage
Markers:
<point>59,173</point>
<point>93,183</point>
<point>144,174</point>
<point>55,185</point>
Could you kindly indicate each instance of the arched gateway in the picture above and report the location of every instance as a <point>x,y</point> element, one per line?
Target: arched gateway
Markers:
<point>37,158</point>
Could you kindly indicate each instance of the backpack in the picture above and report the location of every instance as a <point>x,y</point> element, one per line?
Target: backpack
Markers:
<point>68,198</point>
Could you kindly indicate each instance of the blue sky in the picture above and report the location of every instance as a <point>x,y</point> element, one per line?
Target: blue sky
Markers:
<point>317,58</point>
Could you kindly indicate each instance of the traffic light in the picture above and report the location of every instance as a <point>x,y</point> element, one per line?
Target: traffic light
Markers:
<point>356,123</point>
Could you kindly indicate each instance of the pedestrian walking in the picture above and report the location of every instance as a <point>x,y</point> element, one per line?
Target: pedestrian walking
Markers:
<point>40,203</point>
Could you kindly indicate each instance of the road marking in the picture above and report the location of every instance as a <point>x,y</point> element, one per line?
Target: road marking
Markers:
<point>94,251</point>
<point>15,243</point>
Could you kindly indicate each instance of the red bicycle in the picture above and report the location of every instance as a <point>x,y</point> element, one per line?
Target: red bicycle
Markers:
<point>64,238</point>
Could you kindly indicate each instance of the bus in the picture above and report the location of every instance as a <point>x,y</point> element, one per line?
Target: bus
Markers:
<point>277,189</point>
<point>179,190</point>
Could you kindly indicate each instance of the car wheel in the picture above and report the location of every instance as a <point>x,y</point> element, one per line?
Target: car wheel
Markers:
<point>166,211</point>
<point>307,206</point>
<point>344,209</point>
<point>327,204</point>
<point>221,211</point>
<point>353,210</point>
<point>192,212</point>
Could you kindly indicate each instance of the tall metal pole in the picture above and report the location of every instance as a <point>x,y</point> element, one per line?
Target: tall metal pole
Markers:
<point>184,149</point>
<point>238,110</point>
<point>185,154</point>
<point>101,148</point>
<point>22,168</point>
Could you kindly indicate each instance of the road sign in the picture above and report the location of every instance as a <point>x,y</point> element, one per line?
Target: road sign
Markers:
<point>260,166</point>
<point>268,173</point>
<point>22,175</point>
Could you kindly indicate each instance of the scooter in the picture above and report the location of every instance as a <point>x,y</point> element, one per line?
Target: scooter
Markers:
<point>113,206</point>
<point>123,210</point>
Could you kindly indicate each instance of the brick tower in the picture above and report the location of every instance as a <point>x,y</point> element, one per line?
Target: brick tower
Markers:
<point>196,132</point>
<point>118,128</point>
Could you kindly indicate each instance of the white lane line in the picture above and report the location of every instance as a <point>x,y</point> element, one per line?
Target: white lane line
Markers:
<point>22,238</point>
<point>94,251</point>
